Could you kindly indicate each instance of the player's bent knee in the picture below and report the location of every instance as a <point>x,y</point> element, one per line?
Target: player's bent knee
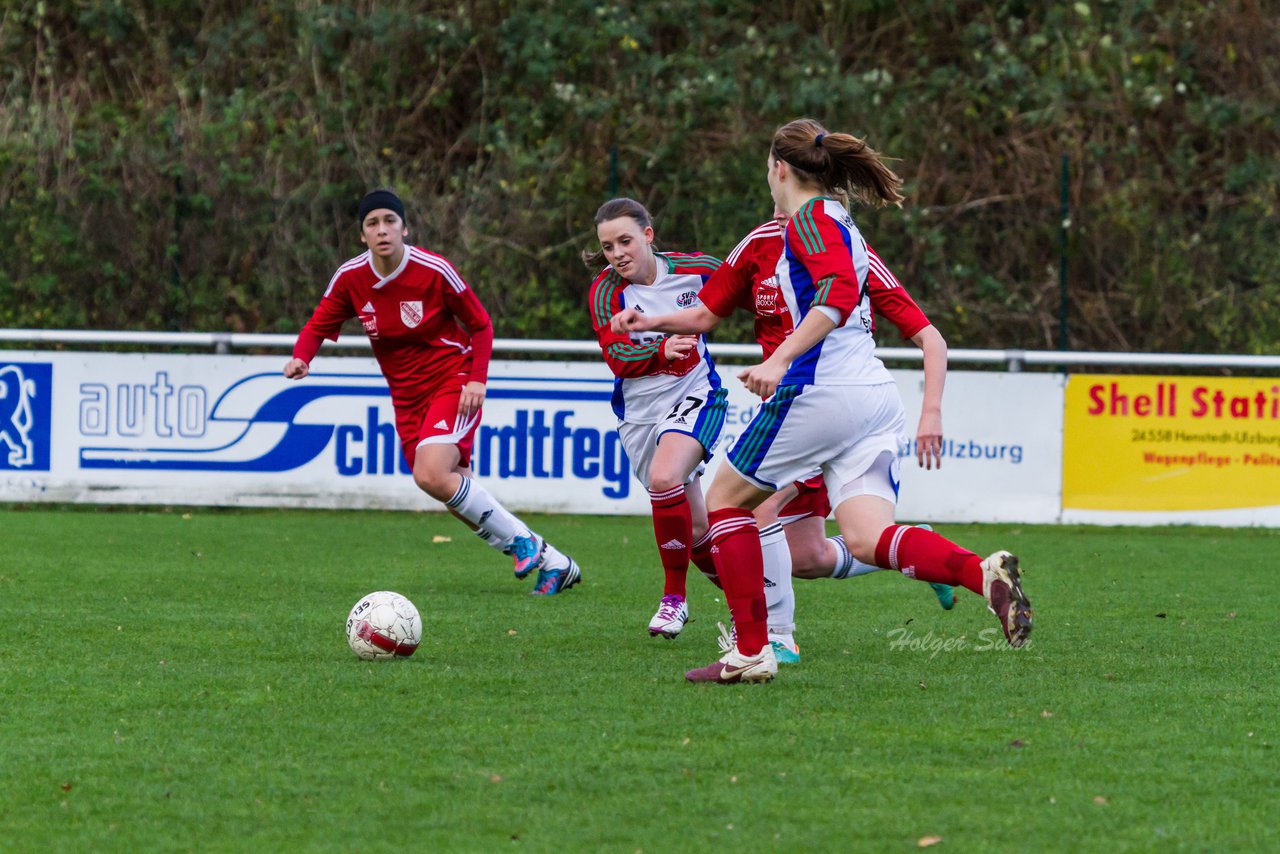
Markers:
<point>862,548</point>
<point>810,563</point>
<point>729,489</point>
<point>661,481</point>
<point>435,483</point>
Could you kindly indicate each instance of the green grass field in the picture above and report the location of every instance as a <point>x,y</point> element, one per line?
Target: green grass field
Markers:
<point>180,681</point>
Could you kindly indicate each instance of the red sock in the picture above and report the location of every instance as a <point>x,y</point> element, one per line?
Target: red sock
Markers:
<point>928,556</point>
<point>673,528</point>
<point>735,543</point>
<point>704,560</point>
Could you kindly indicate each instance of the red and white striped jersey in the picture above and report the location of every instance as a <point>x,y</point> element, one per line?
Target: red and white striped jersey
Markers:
<point>428,330</point>
<point>748,279</point>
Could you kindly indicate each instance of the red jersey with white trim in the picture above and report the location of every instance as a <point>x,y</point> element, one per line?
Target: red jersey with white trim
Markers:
<point>428,330</point>
<point>748,279</point>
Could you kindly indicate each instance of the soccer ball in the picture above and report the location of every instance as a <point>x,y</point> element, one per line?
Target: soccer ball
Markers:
<point>384,625</point>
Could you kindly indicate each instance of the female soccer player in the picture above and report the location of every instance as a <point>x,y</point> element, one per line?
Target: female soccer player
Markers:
<point>432,339</point>
<point>791,521</point>
<point>667,395</point>
<point>825,373</point>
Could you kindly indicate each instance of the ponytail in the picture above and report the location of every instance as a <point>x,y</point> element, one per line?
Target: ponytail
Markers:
<point>842,164</point>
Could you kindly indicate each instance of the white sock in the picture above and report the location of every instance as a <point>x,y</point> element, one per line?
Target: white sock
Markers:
<point>494,523</point>
<point>556,559</point>
<point>848,566</point>
<point>778,595</point>
<point>492,540</point>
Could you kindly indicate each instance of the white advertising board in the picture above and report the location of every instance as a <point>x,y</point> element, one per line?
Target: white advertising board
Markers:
<point>144,428</point>
<point>1002,442</point>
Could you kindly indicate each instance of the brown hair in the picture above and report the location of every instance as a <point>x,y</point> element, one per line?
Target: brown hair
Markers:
<point>614,209</point>
<point>841,163</point>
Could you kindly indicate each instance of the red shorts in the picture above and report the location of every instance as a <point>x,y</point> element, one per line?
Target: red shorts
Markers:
<point>812,500</point>
<point>437,422</point>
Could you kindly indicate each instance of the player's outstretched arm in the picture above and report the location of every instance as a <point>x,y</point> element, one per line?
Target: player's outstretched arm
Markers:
<point>929,431</point>
<point>763,379</point>
<point>296,369</point>
<point>694,320</point>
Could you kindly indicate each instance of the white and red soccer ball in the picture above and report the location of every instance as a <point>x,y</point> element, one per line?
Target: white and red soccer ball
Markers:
<point>384,625</point>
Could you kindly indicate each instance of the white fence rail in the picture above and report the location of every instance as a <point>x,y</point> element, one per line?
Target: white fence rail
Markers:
<point>1014,360</point>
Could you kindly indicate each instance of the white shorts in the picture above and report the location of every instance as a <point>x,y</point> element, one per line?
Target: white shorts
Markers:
<point>701,418</point>
<point>842,430</point>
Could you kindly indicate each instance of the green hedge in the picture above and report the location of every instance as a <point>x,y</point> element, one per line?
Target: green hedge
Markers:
<point>194,166</point>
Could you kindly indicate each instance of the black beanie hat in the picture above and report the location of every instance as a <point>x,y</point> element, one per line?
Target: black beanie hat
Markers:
<point>378,199</point>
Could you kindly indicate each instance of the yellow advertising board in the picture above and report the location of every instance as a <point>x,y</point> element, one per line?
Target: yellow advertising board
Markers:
<point>1142,443</point>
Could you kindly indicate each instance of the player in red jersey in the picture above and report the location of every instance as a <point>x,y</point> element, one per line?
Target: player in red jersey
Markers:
<point>667,396</point>
<point>791,522</point>
<point>432,339</point>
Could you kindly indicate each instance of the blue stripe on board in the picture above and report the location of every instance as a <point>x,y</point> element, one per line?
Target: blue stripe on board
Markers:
<point>543,380</point>
<point>540,394</point>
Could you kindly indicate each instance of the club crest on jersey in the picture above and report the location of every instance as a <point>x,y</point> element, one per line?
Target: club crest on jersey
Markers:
<point>411,313</point>
<point>687,299</point>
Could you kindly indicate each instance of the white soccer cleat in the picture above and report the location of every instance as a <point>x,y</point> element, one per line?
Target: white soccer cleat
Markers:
<point>735,667</point>
<point>673,613</point>
<point>1002,588</point>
